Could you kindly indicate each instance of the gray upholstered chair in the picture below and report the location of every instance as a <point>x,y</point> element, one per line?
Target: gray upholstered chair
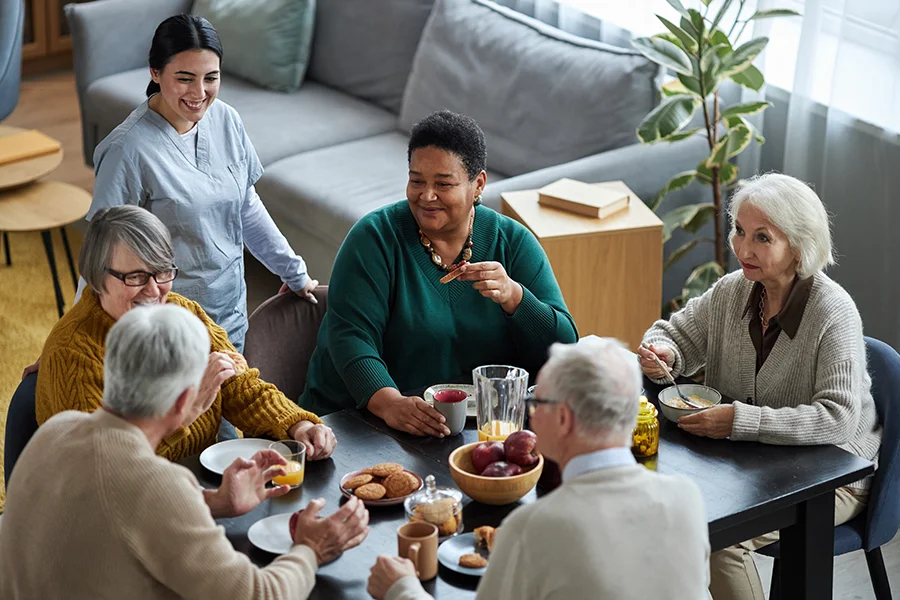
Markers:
<point>12,15</point>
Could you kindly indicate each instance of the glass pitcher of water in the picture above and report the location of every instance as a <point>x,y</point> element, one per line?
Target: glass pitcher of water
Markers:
<point>499,400</point>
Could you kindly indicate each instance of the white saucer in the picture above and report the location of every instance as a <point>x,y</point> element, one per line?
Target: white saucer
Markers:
<point>272,534</point>
<point>219,456</point>
<point>450,551</point>
<point>471,411</point>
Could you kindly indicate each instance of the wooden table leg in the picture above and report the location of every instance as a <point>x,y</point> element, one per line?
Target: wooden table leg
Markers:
<point>6,249</point>
<point>65,239</point>
<point>48,248</point>
<point>807,551</point>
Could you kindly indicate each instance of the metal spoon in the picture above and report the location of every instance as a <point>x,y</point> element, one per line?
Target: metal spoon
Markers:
<point>671,379</point>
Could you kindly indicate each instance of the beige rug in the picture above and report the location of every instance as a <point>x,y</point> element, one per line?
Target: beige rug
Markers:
<point>28,310</point>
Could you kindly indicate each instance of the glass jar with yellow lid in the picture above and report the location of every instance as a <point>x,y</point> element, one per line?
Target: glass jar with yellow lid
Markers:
<point>645,437</point>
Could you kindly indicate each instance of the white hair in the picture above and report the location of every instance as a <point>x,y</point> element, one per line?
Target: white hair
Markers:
<point>599,380</point>
<point>153,354</point>
<point>796,210</point>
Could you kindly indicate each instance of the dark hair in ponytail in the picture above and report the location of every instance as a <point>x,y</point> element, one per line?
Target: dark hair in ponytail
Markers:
<point>177,34</point>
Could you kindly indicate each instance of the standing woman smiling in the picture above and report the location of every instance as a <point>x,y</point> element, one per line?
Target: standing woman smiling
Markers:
<point>185,157</point>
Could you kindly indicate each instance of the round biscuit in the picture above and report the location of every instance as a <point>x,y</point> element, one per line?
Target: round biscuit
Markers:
<point>357,480</point>
<point>370,491</point>
<point>385,469</point>
<point>400,484</point>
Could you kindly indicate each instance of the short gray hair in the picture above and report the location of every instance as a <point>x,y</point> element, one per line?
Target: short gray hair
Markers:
<point>138,229</point>
<point>153,354</point>
<point>791,206</point>
<point>599,380</point>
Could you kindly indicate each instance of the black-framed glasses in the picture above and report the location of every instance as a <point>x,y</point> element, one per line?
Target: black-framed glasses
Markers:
<point>532,402</point>
<point>139,278</point>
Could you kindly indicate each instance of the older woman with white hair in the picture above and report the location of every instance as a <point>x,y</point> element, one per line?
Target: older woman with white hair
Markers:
<point>128,263</point>
<point>612,528</point>
<point>92,512</point>
<point>782,339</point>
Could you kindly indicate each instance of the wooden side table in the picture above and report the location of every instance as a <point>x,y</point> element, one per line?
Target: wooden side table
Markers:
<point>25,171</point>
<point>44,206</point>
<point>609,270</point>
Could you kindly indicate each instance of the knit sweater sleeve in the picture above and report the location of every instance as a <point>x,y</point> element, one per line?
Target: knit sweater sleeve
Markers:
<point>358,310</point>
<point>160,515</point>
<point>510,556</point>
<point>69,379</point>
<point>542,317</point>
<point>253,405</point>
<point>832,415</point>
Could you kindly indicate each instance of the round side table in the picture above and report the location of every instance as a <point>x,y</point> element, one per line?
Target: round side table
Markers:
<point>44,206</point>
<point>26,171</point>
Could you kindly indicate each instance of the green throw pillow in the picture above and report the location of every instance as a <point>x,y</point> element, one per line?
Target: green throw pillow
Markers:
<point>265,41</point>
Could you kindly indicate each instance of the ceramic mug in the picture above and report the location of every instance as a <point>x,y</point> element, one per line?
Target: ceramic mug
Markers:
<point>419,543</point>
<point>453,405</point>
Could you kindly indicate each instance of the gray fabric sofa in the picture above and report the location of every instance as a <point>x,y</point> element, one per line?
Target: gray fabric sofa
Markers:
<point>551,105</point>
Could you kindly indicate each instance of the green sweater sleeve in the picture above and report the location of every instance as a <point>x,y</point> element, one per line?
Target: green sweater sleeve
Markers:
<point>358,309</point>
<point>542,317</point>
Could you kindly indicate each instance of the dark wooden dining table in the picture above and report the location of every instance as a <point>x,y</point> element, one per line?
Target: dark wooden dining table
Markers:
<point>748,489</point>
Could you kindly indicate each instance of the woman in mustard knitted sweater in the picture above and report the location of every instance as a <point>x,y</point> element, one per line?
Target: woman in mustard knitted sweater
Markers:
<point>127,262</point>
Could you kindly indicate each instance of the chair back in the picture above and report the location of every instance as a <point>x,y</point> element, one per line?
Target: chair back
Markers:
<point>21,423</point>
<point>281,338</point>
<point>12,15</point>
<point>883,518</point>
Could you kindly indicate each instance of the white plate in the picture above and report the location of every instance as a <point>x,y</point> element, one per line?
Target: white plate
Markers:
<point>450,551</point>
<point>272,534</point>
<point>219,456</point>
<point>468,389</point>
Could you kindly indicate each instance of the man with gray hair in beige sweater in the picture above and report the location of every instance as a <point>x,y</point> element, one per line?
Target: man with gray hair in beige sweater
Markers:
<point>613,529</point>
<point>92,512</point>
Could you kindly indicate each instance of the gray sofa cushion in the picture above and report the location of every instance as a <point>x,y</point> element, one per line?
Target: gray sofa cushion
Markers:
<point>279,125</point>
<point>326,191</point>
<point>366,47</point>
<point>542,96</point>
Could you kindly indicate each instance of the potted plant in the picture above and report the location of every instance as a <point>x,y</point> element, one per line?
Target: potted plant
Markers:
<point>703,53</point>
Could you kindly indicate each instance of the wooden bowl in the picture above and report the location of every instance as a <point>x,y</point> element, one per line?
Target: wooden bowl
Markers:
<point>490,490</point>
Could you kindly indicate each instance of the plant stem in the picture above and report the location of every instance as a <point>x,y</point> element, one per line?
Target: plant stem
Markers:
<point>736,20</point>
<point>717,201</point>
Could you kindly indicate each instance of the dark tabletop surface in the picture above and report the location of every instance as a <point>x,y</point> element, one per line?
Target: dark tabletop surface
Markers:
<point>739,481</point>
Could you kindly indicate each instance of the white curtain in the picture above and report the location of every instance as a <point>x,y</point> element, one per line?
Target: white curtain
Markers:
<point>838,130</point>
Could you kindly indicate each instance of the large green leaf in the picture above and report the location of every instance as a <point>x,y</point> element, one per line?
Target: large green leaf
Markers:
<point>682,135</point>
<point>679,253</point>
<point>734,121</point>
<point>674,87</point>
<point>676,183</point>
<point>777,12</point>
<point>749,78</point>
<point>748,108</point>
<point>687,42</point>
<point>727,173</point>
<point>687,25</point>
<point>729,145</point>
<point>665,53</point>
<point>669,117</point>
<point>677,5</point>
<point>719,38</point>
<point>718,18</point>
<point>690,218</point>
<point>692,84</point>
<point>743,56</point>
<point>697,21</point>
<point>711,67</point>
<point>717,156</point>
<point>701,279</point>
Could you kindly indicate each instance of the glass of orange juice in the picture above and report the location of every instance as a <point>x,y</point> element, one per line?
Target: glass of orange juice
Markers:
<point>499,400</point>
<point>294,453</point>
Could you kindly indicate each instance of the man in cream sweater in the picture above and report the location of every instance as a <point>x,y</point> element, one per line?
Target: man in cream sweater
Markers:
<point>92,512</point>
<point>613,529</point>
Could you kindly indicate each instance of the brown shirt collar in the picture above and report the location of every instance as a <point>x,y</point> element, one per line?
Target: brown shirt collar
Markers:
<point>792,312</point>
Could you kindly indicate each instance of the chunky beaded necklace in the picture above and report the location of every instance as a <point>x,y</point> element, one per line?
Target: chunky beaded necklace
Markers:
<point>466,253</point>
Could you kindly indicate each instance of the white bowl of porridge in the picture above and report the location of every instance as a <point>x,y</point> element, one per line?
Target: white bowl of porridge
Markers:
<point>673,407</point>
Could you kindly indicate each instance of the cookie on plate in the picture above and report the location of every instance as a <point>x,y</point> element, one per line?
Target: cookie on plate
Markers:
<point>472,561</point>
<point>357,480</point>
<point>370,491</point>
<point>400,484</point>
<point>384,469</point>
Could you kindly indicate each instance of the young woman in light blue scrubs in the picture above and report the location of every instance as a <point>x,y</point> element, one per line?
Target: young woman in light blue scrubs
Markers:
<point>184,156</point>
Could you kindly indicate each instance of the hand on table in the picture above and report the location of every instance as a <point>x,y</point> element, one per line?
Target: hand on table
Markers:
<point>492,281</point>
<point>387,571</point>
<point>306,292</point>
<point>244,484</point>
<point>318,439</point>
<point>715,422</point>
<point>330,536</point>
<point>219,368</point>
<point>407,413</point>
<point>649,366</point>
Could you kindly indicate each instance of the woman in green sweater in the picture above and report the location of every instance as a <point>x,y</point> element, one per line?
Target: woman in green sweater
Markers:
<point>392,326</point>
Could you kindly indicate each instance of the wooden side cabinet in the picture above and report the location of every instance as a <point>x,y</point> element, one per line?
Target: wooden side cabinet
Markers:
<point>47,45</point>
<point>609,270</point>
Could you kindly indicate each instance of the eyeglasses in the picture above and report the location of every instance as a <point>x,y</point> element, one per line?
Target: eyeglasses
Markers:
<point>139,278</point>
<point>532,402</point>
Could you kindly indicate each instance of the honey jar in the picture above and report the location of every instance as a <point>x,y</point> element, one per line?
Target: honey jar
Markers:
<point>645,437</point>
